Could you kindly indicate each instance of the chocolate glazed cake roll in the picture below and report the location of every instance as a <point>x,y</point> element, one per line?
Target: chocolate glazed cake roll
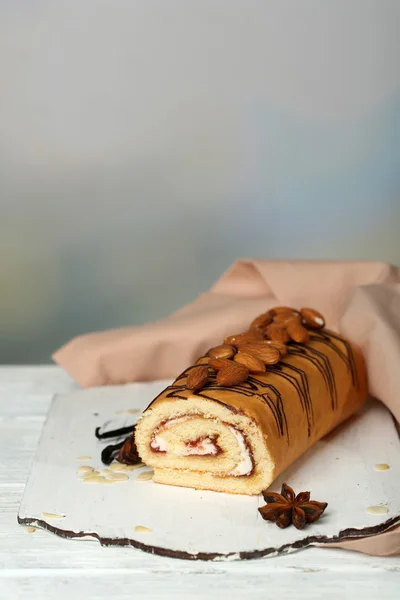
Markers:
<point>249,408</point>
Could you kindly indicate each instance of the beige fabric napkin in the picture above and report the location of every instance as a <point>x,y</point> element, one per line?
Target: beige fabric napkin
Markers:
<point>359,299</point>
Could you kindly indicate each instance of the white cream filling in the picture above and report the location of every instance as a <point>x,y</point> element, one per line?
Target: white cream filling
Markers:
<point>158,442</point>
<point>207,447</point>
<point>245,465</point>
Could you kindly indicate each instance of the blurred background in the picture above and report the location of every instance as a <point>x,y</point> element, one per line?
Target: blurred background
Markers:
<point>146,144</point>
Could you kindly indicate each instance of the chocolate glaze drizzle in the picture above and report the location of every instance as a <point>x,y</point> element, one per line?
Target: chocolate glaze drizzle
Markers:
<point>348,359</point>
<point>278,410</point>
<point>247,388</point>
<point>321,361</point>
<point>296,376</point>
<point>251,385</point>
<point>301,387</point>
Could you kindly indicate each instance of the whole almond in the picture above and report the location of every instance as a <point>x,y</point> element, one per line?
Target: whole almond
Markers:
<point>219,363</point>
<point>233,374</point>
<point>254,364</point>
<point>262,320</point>
<point>266,353</point>
<point>244,338</point>
<point>223,351</point>
<point>312,318</point>
<point>203,360</point>
<point>197,378</point>
<point>282,348</point>
<point>298,333</point>
<point>261,343</point>
<point>277,333</point>
<point>285,318</point>
<point>283,309</point>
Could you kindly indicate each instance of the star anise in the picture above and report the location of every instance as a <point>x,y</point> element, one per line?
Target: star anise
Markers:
<point>286,508</point>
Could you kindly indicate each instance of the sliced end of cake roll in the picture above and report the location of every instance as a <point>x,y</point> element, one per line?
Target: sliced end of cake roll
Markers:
<point>203,444</point>
<point>249,408</point>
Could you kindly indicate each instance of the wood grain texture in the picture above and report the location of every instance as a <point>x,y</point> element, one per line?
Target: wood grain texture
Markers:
<point>42,566</point>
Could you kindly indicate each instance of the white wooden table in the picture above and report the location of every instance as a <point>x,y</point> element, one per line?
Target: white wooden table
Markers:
<point>43,566</point>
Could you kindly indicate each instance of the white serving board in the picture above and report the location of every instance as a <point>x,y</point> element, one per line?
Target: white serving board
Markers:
<point>196,524</point>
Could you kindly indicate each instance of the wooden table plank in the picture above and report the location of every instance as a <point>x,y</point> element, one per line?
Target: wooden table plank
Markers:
<point>156,586</point>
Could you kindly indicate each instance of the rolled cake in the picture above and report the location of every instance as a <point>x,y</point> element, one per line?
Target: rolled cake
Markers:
<point>249,408</point>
